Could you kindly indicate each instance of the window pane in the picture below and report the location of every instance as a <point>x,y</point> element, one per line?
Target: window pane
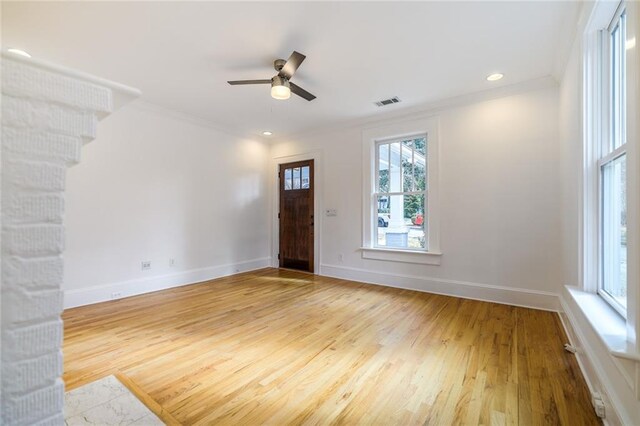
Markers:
<point>394,172</point>
<point>614,230</point>
<point>296,178</point>
<point>385,221</point>
<point>415,220</point>
<point>420,146</point>
<point>305,177</point>
<point>618,84</point>
<point>615,91</point>
<point>420,165</point>
<point>407,166</point>
<point>401,222</point>
<point>383,168</point>
<point>287,179</point>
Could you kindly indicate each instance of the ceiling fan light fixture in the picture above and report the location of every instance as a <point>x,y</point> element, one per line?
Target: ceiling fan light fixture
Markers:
<point>280,88</point>
<point>280,92</point>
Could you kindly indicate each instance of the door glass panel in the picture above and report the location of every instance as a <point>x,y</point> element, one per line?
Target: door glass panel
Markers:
<point>614,230</point>
<point>288,183</point>
<point>305,177</point>
<point>296,178</point>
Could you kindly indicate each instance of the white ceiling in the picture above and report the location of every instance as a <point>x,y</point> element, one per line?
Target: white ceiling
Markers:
<point>180,54</point>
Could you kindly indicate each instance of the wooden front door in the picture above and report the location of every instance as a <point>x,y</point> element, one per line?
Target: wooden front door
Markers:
<point>296,215</point>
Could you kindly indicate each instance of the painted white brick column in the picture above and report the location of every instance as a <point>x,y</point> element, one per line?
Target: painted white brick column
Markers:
<point>48,113</point>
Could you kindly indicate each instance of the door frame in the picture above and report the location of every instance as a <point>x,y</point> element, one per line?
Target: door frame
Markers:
<point>316,156</point>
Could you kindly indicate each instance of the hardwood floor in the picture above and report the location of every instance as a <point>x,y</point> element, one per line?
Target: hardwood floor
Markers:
<point>283,347</point>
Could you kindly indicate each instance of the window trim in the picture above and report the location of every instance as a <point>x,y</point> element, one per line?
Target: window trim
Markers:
<point>377,192</point>
<point>607,151</point>
<point>370,139</point>
<point>624,342</point>
<point>598,132</point>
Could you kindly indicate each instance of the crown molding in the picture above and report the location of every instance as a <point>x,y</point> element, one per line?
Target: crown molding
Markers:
<point>406,113</point>
<point>430,108</point>
<point>143,105</point>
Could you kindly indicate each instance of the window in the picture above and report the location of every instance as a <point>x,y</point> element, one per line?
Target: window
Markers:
<point>400,197</point>
<point>399,201</point>
<point>611,167</point>
<point>610,195</point>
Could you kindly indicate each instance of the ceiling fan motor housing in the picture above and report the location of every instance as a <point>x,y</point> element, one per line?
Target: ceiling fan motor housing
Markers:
<point>278,64</point>
<point>279,81</point>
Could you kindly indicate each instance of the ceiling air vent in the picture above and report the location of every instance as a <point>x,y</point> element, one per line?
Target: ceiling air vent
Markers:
<point>390,101</point>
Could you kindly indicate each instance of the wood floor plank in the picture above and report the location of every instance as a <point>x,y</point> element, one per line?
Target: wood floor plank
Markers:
<point>282,347</point>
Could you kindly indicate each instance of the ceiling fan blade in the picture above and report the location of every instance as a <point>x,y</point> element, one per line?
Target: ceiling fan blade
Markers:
<point>239,82</point>
<point>292,64</point>
<point>301,92</point>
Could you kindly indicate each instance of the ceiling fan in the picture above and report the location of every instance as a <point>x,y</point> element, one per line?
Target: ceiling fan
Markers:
<point>281,87</point>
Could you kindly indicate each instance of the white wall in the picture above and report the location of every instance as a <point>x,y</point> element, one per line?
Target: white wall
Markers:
<point>500,200</point>
<point>156,186</point>
<point>571,165</point>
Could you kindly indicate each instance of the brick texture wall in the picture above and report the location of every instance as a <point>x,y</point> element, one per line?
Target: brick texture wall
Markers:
<point>47,115</point>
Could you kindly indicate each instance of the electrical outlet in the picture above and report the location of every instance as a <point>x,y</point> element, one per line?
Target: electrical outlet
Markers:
<point>340,257</point>
<point>172,263</point>
<point>146,265</point>
<point>116,295</point>
<point>331,212</point>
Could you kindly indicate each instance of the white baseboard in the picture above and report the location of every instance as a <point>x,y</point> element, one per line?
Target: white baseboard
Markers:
<point>468,290</point>
<point>103,293</point>
<point>597,379</point>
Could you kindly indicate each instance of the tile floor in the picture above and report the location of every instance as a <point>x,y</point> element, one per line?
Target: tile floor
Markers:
<point>106,402</point>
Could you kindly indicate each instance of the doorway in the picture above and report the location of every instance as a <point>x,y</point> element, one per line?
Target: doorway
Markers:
<point>296,188</point>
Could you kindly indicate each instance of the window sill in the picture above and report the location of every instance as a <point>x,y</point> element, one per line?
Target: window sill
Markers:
<point>606,322</point>
<point>398,255</point>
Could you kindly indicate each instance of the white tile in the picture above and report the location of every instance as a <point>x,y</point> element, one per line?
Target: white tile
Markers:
<point>91,395</point>
<point>123,410</point>
<point>106,402</point>
<point>75,421</point>
<point>149,420</point>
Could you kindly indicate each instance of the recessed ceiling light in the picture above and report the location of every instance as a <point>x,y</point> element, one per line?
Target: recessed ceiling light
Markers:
<point>19,52</point>
<point>495,77</point>
<point>267,133</point>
